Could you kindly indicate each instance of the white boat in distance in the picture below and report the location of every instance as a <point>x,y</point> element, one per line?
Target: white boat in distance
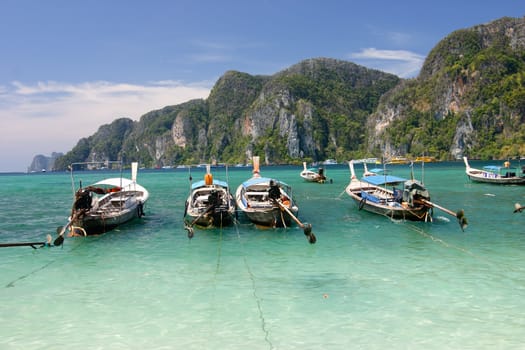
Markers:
<point>501,175</point>
<point>313,174</point>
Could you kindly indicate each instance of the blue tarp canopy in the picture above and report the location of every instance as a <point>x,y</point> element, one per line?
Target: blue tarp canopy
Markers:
<point>261,180</point>
<point>379,180</point>
<point>201,183</point>
<point>255,181</point>
<point>492,167</point>
<point>379,171</point>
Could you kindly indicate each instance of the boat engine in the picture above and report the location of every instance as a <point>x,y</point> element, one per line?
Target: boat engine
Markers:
<point>414,190</point>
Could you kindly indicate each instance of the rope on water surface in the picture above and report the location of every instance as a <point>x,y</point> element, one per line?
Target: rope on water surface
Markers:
<point>439,240</point>
<point>219,253</point>
<point>257,298</point>
<point>435,239</point>
<point>12,283</point>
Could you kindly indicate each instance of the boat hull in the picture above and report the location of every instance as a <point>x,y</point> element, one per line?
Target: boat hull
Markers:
<point>273,217</point>
<point>495,174</point>
<point>497,180</point>
<point>210,205</point>
<point>312,174</point>
<point>254,200</point>
<point>392,209</point>
<point>95,224</point>
<point>218,218</point>
<point>372,195</point>
<point>313,178</point>
<point>103,206</point>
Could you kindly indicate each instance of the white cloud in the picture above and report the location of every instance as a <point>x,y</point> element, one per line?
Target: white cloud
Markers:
<point>52,116</point>
<point>403,63</point>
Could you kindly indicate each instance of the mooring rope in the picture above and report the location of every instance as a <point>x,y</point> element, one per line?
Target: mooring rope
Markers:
<point>440,241</point>
<point>12,283</point>
<point>435,239</point>
<point>254,288</point>
<point>219,252</point>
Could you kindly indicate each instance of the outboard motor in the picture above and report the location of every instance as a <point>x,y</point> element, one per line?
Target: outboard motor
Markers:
<point>414,190</point>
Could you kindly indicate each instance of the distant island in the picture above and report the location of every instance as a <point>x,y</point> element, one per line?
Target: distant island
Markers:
<point>42,163</point>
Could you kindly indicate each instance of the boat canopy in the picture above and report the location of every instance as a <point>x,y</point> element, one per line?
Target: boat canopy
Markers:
<point>261,181</point>
<point>492,167</point>
<point>379,171</point>
<point>115,182</point>
<point>122,184</point>
<point>202,183</point>
<point>379,180</point>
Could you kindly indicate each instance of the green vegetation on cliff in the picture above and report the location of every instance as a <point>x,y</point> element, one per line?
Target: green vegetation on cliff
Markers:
<point>473,78</point>
<point>468,99</point>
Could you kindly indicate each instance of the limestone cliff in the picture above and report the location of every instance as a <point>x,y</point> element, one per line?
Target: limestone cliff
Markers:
<point>43,163</point>
<point>467,100</point>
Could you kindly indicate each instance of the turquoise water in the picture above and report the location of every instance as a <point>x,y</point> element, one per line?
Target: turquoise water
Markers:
<point>367,283</point>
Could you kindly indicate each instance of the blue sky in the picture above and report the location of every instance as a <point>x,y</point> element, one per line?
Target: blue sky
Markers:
<point>67,67</point>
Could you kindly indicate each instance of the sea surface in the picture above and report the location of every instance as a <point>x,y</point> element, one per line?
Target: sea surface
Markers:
<point>368,282</point>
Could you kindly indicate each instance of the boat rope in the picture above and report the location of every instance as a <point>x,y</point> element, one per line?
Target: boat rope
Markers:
<point>219,251</point>
<point>435,239</point>
<point>446,244</point>
<point>440,241</point>
<point>254,288</point>
<point>282,219</point>
<point>13,282</point>
<point>420,217</point>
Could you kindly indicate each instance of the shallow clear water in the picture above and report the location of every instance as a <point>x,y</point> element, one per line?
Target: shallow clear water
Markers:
<point>367,283</point>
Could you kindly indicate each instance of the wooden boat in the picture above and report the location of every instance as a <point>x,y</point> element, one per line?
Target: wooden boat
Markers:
<point>265,201</point>
<point>106,204</point>
<point>210,203</point>
<point>374,171</point>
<point>502,175</point>
<point>330,162</point>
<point>394,197</point>
<point>425,159</point>
<point>398,160</point>
<point>313,174</point>
<point>389,195</point>
<point>367,160</point>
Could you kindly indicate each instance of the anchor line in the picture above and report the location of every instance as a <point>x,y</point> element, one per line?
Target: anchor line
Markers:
<point>215,276</point>
<point>439,240</point>
<point>12,283</point>
<point>257,298</point>
<point>219,253</point>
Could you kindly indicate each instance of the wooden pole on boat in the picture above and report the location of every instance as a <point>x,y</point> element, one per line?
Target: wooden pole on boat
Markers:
<point>460,215</point>
<point>189,227</point>
<point>256,166</point>
<point>306,227</point>
<point>134,170</point>
<point>24,244</point>
<point>28,244</point>
<point>60,238</point>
